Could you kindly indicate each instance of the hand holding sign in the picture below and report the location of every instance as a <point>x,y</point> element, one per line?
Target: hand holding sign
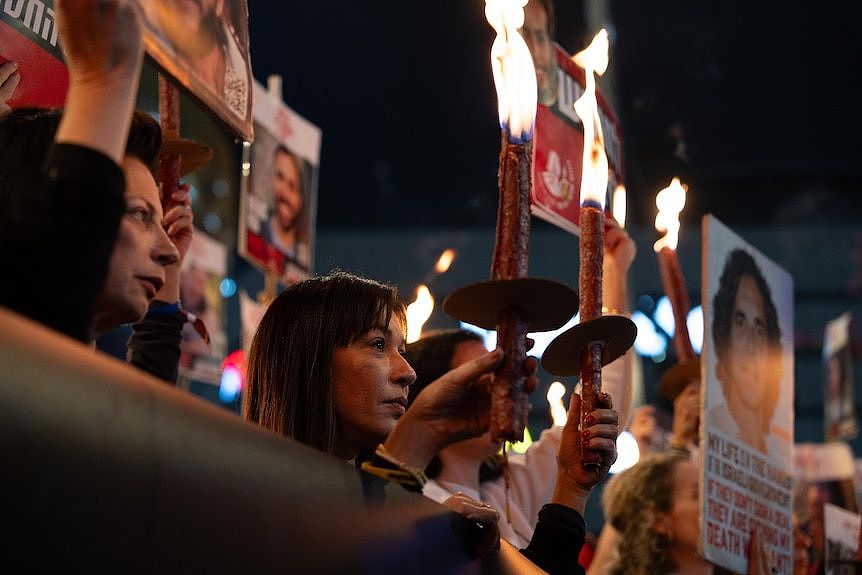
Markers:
<point>9,78</point>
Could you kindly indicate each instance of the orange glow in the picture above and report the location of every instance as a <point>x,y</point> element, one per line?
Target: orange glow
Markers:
<point>418,313</point>
<point>444,261</point>
<point>555,400</point>
<point>594,175</point>
<point>670,202</point>
<point>512,64</point>
<point>619,205</point>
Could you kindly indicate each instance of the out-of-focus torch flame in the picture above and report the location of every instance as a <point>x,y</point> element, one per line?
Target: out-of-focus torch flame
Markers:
<point>444,261</point>
<point>594,174</point>
<point>619,205</point>
<point>670,202</point>
<point>555,400</point>
<point>418,313</point>
<point>514,74</point>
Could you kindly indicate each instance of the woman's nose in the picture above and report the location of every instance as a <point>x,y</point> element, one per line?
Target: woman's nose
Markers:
<point>402,372</point>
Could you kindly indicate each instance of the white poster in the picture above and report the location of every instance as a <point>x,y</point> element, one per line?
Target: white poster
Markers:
<point>842,539</point>
<point>279,191</point>
<point>204,47</point>
<point>203,270</point>
<point>747,378</point>
<point>838,399</point>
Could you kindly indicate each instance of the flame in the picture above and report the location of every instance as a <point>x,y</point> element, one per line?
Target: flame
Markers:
<point>555,400</point>
<point>594,173</point>
<point>670,202</point>
<point>444,261</point>
<point>514,74</point>
<point>619,205</point>
<point>418,313</point>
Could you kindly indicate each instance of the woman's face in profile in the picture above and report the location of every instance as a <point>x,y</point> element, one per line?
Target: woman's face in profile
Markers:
<point>748,350</point>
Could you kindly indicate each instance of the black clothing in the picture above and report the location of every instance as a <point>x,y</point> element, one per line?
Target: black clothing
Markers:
<point>56,239</point>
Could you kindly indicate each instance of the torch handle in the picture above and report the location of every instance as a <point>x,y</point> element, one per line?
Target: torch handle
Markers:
<point>511,245</point>
<point>509,399</point>
<point>674,286</point>
<point>591,222</point>
<point>169,119</point>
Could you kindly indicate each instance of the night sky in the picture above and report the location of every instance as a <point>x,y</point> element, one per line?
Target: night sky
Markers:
<point>753,104</point>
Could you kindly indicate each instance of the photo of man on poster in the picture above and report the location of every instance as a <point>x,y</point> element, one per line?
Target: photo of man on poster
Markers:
<point>747,364</point>
<point>539,32</point>
<point>287,226</point>
<point>747,340</point>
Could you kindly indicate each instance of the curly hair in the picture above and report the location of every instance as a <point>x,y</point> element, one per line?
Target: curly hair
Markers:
<point>632,501</point>
<point>740,263</point>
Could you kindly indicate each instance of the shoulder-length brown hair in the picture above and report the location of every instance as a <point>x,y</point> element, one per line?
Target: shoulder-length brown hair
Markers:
<point>289,379</point>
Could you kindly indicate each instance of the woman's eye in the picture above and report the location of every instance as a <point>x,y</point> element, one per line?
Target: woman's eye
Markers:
<point>378,344</point>
<point>139,213</point>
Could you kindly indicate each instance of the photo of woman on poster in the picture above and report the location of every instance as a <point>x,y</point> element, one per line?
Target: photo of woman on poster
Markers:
<point>204,45</point>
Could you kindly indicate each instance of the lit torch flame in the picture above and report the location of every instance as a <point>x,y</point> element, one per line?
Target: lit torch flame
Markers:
<point>619,205</point>
<point>670,202</point>
<point>514,74</point>
<point>418,313</point>
<point>594,174</point>
<point>444,261</point>
<point>555,400</point>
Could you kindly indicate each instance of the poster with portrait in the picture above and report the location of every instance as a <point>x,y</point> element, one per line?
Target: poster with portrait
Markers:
<point>559,140</point>
<point>202,272</point>
<point>747,373</point>
<point>203,45</point>
<point>250,312</point>
<point>29,37</point>
<point>841,530</point>
<point>839,403</point>
<point>824,475</point>
<point>278,199</point>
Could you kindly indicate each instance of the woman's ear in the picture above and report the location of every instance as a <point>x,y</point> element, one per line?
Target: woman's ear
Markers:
<point>663,525</point>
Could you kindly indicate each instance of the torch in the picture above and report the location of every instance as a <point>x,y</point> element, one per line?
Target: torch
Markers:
<point>596,340</point>
<point>670,201</point>
<point>510,302</point>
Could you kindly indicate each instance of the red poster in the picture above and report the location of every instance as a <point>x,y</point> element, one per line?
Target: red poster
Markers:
<point>559,144</point>
<point>28,36</point>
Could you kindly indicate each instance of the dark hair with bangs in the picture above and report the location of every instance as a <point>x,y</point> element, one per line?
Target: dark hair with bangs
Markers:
<point>289,386</point>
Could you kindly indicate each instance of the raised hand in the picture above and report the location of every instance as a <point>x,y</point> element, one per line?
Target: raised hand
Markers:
<point>101,42</point>
<point>450,409</point>
<point>643,427</point>
<point>178,221</point>
<point>686,414</point>
<point>575,480</point>
<point>101,39</point>
<point>9,79</point>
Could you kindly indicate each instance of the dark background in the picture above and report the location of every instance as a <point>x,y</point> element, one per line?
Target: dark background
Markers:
<point>753,104</point>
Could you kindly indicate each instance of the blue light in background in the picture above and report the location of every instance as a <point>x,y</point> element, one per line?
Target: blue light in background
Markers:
<point>220,188</point>
<point>231,384</point>
<point>694,322</point>
<point>646,303</point>
<point>663,316</point>
<point>212,223</point>
<point>542,339</point>
<point>649,341</point>
<point>227,288</point>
